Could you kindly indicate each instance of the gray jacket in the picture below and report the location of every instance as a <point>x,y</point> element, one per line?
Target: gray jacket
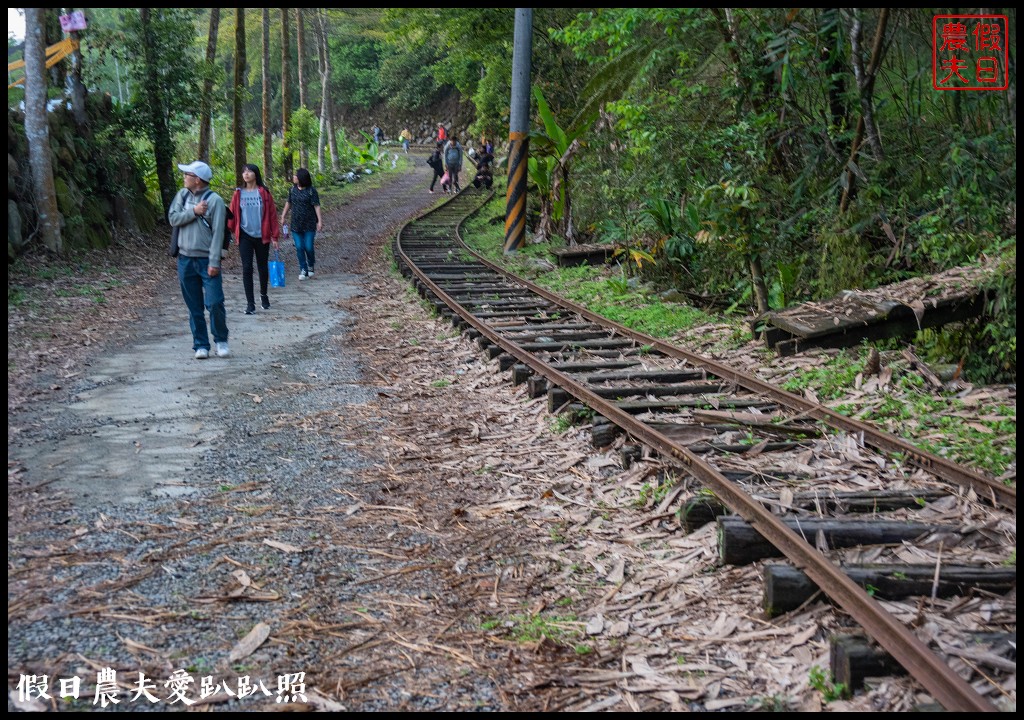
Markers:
<point>199,237</point>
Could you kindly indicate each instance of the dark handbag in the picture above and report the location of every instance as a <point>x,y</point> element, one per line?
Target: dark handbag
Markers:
<point>173,249</point>
<point>276,271</point>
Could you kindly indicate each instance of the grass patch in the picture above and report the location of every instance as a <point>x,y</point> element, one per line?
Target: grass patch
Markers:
<point>527,628</point>
<point>830,381</point>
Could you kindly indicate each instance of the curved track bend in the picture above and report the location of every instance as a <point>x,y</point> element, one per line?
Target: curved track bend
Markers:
<point>690,402</point>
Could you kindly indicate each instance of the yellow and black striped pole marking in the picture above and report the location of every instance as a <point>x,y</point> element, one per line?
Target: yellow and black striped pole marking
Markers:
<point>515,197</point>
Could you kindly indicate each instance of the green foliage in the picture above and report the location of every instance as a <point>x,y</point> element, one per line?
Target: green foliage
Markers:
<point>823,682</point>
<point>784,111</point>
<point>355,63</point>
<point>304,130</point>
<point>549,161</point>
<point>173,50</point>
<point>405,78</point>
<point>832,380</point>
<point>985,348</point>
<point>844,262</point>
<point>528,628</point>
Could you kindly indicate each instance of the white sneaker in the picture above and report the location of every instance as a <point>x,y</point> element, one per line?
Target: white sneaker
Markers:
<point>309,274</point>
<point>223,350</point>
<point>202,354</point>
<point>302,275</point>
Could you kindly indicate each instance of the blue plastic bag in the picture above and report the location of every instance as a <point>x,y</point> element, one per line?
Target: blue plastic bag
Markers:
<point>276,270</point>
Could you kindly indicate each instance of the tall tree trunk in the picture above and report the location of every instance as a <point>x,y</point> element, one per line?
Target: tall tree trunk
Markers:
<point>866,80</point>
<point>300,54</point>
<point>866,85</point>
<point>268,154</point>
<point>332,139</point>
<point>285,93</point>
<point>325,96</point>
<point>239,90</point>
<point>760,288</point>
<point>156,106</point>
<point>206,101</point>
<point>37,131</point>
<point>300,64</point>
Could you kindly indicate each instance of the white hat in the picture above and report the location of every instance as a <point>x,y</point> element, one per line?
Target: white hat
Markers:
<point>200,169</point>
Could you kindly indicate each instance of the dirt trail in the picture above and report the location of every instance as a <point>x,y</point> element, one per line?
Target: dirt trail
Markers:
<point>161,509</point>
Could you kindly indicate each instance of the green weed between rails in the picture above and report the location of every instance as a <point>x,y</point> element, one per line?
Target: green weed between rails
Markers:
<point>562,424</point>
<point>655,492</point>
<point>823,682</point>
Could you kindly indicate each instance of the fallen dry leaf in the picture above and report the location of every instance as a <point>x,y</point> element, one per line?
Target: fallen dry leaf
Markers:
<point>282,546</point>
<point>248,645</point>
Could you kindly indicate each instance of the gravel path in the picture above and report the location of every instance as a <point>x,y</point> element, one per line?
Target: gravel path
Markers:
<point>162,509</point>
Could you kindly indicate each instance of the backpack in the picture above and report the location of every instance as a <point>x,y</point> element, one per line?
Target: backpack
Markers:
<point>453,157</point>
<point>434,160</point>
<point>228,217</point>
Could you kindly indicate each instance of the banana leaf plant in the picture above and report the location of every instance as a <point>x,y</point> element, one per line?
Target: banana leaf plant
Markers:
<point>555,147</point>
<point>542,170</point>
<point>551,153</point>
<point>371,154</point>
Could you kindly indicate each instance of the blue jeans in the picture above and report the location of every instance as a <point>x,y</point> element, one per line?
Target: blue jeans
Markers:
<point>202,291</point>
<point>304,249</point>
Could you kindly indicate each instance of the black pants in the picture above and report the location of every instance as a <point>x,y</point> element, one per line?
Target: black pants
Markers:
<point>436,176</point>
<point>247,247</point>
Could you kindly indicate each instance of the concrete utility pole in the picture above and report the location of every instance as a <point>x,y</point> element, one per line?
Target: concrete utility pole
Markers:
<point>518,131</point>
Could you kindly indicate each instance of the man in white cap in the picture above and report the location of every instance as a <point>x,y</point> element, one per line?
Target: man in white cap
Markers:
<point>199,214</point>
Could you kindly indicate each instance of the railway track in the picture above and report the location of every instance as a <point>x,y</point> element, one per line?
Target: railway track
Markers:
<point>740,436</point>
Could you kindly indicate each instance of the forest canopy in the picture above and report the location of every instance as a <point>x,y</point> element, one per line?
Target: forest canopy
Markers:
<point>766,154</point>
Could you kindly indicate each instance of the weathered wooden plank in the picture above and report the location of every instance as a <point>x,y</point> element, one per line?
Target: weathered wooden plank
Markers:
<point>854,658</point>
<point>739,543</point>
<point>703,508</point>
<point>786,588</point>
<point>583,255</point>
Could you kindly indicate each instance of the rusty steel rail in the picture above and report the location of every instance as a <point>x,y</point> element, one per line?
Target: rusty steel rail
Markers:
<point>925,666</point>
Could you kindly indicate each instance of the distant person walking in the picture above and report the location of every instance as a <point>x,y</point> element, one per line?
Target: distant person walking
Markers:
<point>441,134</point>
<point>453,160</point>
<point>378,134</point>
<point>484,175</point>
<point>406,138</point>
<point>199,214</point>
<point>254,224</point>
<point>435,162</point>
<point>304,202</point>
